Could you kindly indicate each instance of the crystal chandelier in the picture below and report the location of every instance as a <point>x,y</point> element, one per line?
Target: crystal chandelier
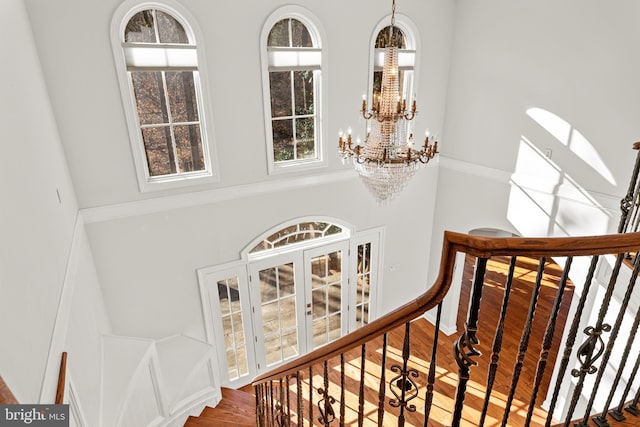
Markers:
<point>388,159</point>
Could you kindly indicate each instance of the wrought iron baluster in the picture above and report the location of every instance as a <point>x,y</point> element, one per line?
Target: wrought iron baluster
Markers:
<point>601,420</point>
<point>327,415</point>
<point>406,387</point>
<point>571,339</point>
<point>383,382</point>
<point>617,413</point>
<point>524,341</point>
<point>258,390</point>
<point>431,378</point>
<point>464,347</point>
<point>633,406</point>
<point>271,407</point>
<point>548,338</point>
<point>361,393</point>
<point>299,397</point>
<point>342,390</point>
<point>591,349</point>
<point>311,395</point>
<point>628,203</point>
<point>288,398</point>
<point>497,341</point>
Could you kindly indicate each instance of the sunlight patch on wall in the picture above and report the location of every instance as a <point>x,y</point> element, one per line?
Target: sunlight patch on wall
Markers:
<point>545,201</point>
<point>570,137</point>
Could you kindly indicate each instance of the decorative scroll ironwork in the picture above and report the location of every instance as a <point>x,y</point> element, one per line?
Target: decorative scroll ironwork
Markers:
<point>403,387</point>
<point>591,350</point>
<point>327,415</point>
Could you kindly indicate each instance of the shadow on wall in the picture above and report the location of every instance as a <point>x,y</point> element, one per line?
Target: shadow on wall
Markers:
<point>544,199</point>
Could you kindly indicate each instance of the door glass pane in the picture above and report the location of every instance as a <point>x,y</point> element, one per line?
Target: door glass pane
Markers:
<point>233,327</point>
<point>363,281</point>
<point>326,297</point>
<point>278,308</point>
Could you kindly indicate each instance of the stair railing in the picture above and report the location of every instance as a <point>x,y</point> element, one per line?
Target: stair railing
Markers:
<point>630,204</point>
<point>364,378</point>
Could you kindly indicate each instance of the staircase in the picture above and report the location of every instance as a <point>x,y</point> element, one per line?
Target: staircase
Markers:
<point>237,408</point>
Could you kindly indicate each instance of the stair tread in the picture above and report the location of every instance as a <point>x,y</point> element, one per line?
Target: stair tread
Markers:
<point>237,408</point>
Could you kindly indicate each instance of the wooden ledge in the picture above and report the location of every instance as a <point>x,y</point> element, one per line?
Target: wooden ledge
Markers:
<point>6,397</point>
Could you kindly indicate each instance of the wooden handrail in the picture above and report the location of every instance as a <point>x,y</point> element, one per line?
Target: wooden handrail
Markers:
<point>62,377</point>
<point>452,243</point>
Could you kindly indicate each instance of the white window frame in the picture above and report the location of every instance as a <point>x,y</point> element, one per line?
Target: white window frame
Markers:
<point>312,23</point>
<point>121,17</point>
<point>209,276</point>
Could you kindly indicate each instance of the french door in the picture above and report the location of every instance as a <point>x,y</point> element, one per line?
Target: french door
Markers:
<point>298,302</point>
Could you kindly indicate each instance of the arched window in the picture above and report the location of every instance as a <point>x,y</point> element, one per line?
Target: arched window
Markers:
<point>291,46</point>
<point>159,71</point>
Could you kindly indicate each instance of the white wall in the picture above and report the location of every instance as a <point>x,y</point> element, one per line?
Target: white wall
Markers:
<point>527,77</point>
<point>147,263</point>
<point>36,227</point>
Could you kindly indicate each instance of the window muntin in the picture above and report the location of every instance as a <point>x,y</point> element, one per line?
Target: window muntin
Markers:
<point>292,65</point>
<point>160,77</point>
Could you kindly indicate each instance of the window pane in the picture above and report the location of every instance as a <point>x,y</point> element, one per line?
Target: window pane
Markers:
<point>383,38</point>
<point>189,147</point>
<point>280,85</point>
<point>283,140</point>
<point>305,138</point>
<point>234,294</point>
<point>243,364</point>
<point>268,290</point>
<point>319,303</point>
<point>150,100</point>
<point>300,35</point>
<point>319,332</point>
<point>170,30</point>
<point>223,296</point>
<point>231,363</point>
<point>288,312</point>
<point>182,96</point>
<point>270,317</point>
<point>335,327</point>
<point>159,156</point>
<point>228,332</point>
<point>289,344</point>
<point>140,28</point>
<point>279,34</point>
<point>335,298</point>
<point>237,328</point>
<point>273,349</point>
<point>303,89</point>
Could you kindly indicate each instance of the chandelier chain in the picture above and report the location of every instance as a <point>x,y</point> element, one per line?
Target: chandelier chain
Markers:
<point>393,13</point>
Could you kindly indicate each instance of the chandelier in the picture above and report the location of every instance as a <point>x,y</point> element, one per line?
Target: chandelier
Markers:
<point>387,160</point>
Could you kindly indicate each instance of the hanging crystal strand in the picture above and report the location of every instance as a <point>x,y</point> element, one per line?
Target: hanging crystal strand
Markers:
<point>342,390</point>
<point>431,379</point>
<point>497,340</point>
<point>601,420</point>
<point>548,337</point>
<point>524,341</point>
<point>383,384</point>
<point>361,394</point>
<point>571,339</point>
